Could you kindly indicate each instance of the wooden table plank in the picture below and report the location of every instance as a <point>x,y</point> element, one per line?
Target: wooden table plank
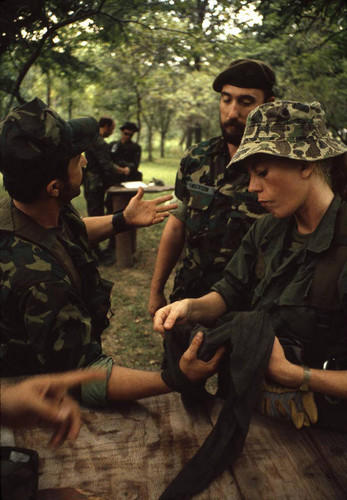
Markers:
<point>280,462</point>
<point>333,447</point>
<point>132,451</point>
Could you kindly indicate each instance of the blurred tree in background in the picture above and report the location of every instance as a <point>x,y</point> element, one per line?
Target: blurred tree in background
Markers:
<point>154,61</point>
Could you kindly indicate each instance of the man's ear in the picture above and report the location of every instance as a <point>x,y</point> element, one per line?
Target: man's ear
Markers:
<point>271,99</point>
<point>53,188</point>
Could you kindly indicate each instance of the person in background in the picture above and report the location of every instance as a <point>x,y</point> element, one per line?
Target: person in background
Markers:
<point>126,154</point>
<point>216,209</point>
<point>99,174</point>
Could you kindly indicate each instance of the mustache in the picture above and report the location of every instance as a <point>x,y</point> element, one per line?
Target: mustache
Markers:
<point>233,122</point>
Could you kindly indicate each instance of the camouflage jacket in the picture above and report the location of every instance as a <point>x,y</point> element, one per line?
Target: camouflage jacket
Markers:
<point>100,170</point>
<point>53,303</point>
<point>217,211</point>
<point>282,285</point>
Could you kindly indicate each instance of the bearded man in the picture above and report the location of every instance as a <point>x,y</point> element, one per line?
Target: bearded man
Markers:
<point>216,209</point>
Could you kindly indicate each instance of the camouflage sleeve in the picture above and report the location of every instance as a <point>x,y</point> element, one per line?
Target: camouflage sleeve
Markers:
<point>181,211</point>
<point>58,327</point>
<point>180,189</point>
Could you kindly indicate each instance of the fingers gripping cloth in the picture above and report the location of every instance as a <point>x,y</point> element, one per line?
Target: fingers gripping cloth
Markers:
<point>288,403</point>
<point>249,337</point>
<point>176,342</point>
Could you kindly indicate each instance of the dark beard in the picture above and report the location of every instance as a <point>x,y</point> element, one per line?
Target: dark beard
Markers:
<point>68,193</point>
<point>235,136</point>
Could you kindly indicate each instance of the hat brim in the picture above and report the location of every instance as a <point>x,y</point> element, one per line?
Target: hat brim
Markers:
<point>306,150</point>
<point>83,132</point>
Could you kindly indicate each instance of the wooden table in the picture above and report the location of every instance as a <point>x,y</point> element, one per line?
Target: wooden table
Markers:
<point>134,450</point>
<point>126,242</point>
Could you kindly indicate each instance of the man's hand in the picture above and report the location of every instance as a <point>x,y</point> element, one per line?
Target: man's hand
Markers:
<point>166,317</point>
<point>195,369</point>
<point>42,400</point>
<point>141,213</point>
<point>288,403</point>
<point>156,301</point>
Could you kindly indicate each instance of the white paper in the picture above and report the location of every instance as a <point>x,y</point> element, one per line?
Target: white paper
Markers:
<point>133,184</point>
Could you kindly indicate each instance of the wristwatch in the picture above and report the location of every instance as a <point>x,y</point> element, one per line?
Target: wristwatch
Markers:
<point>307,376</point>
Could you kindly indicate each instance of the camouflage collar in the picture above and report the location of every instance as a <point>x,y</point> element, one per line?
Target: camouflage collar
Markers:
<point>13,220</point>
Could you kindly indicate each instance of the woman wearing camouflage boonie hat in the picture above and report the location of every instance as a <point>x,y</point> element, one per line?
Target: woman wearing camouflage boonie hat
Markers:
<point>292,264</point>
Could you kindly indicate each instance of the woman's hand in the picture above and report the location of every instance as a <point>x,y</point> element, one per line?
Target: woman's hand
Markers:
<point>166,317</point>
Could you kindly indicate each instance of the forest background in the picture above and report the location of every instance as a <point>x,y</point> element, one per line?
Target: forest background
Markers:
<point>153,62</point>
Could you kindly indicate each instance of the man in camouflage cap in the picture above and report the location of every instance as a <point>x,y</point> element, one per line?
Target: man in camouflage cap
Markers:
<point>216,209</point>
<point>53,303</point>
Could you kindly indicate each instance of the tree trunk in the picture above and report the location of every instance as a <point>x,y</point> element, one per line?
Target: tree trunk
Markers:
<point>48,89</point>
<point>150,142</point>
<point>162,144</point>
<point>70,106</point>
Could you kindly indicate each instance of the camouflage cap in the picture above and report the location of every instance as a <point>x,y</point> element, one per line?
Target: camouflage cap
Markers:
<point>246,73</point>
<point>288,129</point>
<point>33,133</point>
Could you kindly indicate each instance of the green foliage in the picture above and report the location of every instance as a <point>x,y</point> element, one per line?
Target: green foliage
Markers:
<point>153,62</point>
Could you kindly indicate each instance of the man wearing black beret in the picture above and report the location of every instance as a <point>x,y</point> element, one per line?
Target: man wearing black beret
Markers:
<point>127,154</point>
<point>216,209</point>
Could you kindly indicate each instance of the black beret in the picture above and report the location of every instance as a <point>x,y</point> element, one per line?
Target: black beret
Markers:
<point>248,74</point>
<point>129,126</point>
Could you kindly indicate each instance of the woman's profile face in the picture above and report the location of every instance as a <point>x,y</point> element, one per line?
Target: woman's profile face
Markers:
<point>281,184</point>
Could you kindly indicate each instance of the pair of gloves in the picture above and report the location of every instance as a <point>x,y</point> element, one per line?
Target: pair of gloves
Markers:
<point>288,403</point>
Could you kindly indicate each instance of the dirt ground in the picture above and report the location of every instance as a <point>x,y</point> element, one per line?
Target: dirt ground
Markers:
<point>130,338</point>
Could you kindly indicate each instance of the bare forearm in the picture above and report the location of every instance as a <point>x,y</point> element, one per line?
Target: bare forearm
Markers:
<point>99,228</point>
<point>126,384</point>
<point>331,382</point>
<point>206,309</point>
<point>170,249</point>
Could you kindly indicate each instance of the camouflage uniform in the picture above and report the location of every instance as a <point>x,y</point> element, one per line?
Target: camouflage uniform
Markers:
<point>99,175</point>
<point>217,210</point>
<point>53,302</point>
<point>127,154</point>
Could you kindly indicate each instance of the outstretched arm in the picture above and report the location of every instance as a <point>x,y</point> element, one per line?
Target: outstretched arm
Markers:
<point>128,384</point>
<point>170,249</point>
<point>206,309</point>
<point>138,213</point>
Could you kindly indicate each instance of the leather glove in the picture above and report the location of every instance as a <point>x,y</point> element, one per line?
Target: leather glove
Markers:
<point>287,403</point>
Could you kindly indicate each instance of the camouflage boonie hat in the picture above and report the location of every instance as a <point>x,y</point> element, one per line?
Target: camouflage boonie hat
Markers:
<point>288,129</point>
<point>33,133</point>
